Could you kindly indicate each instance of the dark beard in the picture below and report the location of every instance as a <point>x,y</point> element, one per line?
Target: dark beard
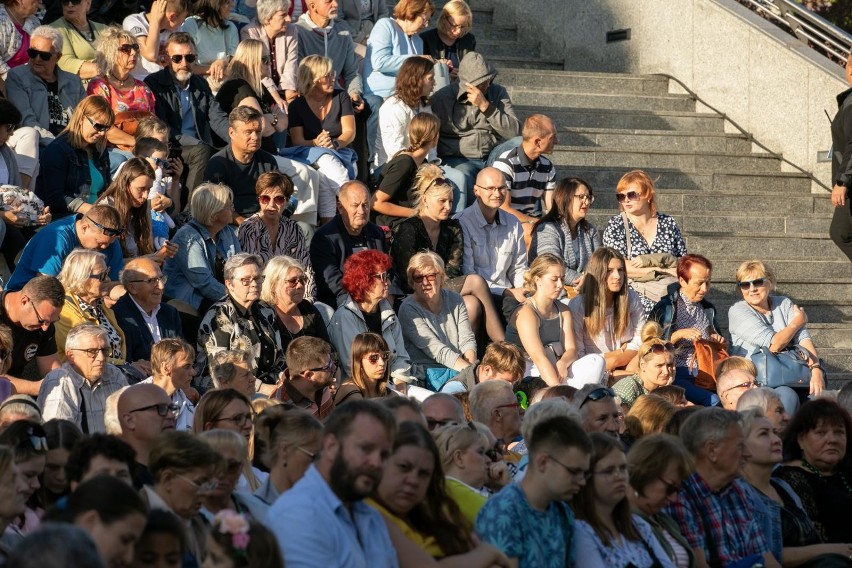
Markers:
<point>343,480</point>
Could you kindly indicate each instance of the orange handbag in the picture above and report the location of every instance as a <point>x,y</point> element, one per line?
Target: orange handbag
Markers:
<point>708,353</point>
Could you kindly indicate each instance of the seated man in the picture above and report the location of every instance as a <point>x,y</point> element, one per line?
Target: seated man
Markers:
<point>494,404</point>
<point>152,29</point>
<point>714,510</point>
<point>476,116</point>
<point>77,391</point>
<point>99,454</point>
<point>350,231</point>
<point>441,409</point>
<point>172,367</point>
<point>144,411</point>
<point>502,360</point>
<point>598,410</point>
<point>309,374</point>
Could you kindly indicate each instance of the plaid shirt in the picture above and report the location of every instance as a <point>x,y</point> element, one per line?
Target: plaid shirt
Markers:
<point>723,519</point>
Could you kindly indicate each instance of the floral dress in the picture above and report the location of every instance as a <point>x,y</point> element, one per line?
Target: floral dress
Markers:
<point>668,240</point>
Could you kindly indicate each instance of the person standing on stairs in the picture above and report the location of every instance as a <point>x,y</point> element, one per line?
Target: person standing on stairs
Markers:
<point>841,169</point>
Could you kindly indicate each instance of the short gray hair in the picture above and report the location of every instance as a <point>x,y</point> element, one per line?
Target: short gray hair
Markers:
<point>757,398</point>
<point>207,200</point>
<point>275,271</point>
<point>78,333</point>
<point>483,399</point>
<point>240,259</point>
<point>223,366</point>
<point>267,8</point>
<point>748,417</point>
<point>51,33</point>
<point>707,425</point>
<point>545,410</point>
<point>77,268</point>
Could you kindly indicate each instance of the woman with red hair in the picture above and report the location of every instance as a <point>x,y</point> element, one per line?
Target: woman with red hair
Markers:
<point>366,277</point>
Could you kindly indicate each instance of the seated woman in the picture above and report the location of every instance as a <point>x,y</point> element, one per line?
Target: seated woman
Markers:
<point>370,370</point>
<point>761,320</point>
<point>233,450</point>
<point>449,41</point>
<point>565,232</point>
<point>543,327</point>
<point>656,367</point>
<point>608,533</point>
<point>284,288</point>
<point>768,401</point>
<point>216,38</point>
<point>269,233</point>
<point>686,315</point>
<point>79,36</point>
<point>798,540</point>
<point>17,21</point>
<point>658,464</point>
<point>74,168</point>
<point>641,230</point>
<point>607,316</point>
<point>241,320</point>
<point>280,42</point>
<point>816,445</point>
<point>84,275</point>
<point>322,126</point>
<point>413,499</point>
<point>231,369</point>
<point>465,462</point>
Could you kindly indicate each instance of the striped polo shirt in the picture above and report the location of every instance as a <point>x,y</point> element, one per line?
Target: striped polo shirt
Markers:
<point>527,180</point>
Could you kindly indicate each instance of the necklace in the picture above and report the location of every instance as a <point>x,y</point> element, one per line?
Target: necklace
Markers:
<point>121,82</point>
<point>819,474</point>
<point>88,36</point>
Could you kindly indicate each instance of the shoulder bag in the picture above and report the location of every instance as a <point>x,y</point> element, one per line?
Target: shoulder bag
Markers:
<point>654,289</point>
<point>786,368</point>
<point>707,354</point>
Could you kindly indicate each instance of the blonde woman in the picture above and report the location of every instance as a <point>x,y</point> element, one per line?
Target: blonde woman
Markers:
<point>656,367</point>
<point>450,40</point>
<point>542,325</point>
<point>233,451</point>
<point>463,450</point>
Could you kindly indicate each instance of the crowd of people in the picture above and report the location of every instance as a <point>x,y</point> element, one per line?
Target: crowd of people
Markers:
<point>292,284</point>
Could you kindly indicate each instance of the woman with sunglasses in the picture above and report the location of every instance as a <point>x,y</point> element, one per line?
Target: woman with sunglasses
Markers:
<point>274,28</point>
<point>609,534</point>
<point>370,370</point>
<point>216,38</point>
<point>658,464</point>
<point>79,36</point>
<point>656,367</point>
<point>17,22</point>
<point>762,320</point>
<point>242,321</point>
<point>650,232</point>
<point>85,276</point>
<point>74,168</point>
<point>365,307</point>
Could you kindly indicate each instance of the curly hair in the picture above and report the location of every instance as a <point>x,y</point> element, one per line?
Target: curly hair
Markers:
<point>360,269</point>
<point>409,81</point>
<point>106,49</point>
<point>136,217</point>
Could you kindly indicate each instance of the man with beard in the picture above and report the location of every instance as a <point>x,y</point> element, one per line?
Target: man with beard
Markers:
<point>322,520</point>
<point>311,366</point>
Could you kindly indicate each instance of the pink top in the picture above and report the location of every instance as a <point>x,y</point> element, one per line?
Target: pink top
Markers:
<point>139,97</point>
<point>20,58</point>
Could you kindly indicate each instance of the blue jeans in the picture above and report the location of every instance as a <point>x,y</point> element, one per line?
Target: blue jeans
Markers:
<point>694,394</point>
<point>374,101</point>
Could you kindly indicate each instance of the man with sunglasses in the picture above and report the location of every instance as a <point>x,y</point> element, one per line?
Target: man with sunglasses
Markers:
<point>598,409</point>
<point>45,95</point>
<point>309,377</point>
<point>144,412</point>
<point>77,391</point>
<point>183,103</point>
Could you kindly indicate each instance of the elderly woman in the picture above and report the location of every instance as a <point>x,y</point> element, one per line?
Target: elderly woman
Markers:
<point>231,369</point>
<point>84,275</point>
<point>768,401</point>
<point>449,41</point>
<point>434,322</point>
<point>17,22</point>
<point>816,450</point>
<point>242,321</point>
<point>656,367</point>
<point>414,83</point>
<point>74,168</point>
<point>285,286</point>
<point>280,42</point>
<point>370,370</point>
<point>216,38</point>
<point>564,230</point>
<point>366,277</point>
<point>775,322</point>
<point>269,233</point>
<point>79,36</point>
<point>195,274</point>
<point>658,464</point>
<point>641,230</point>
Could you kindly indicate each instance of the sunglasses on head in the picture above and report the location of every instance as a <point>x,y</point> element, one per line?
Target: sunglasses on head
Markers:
<point>373,358</point>
<point>190,58</point>
<point>107,231</point>
<point>44,55</point>
<point>278,199</point>
<point>746,284</point>
<point>97,125</point>
<point>598,394</point>
<point>128,48</point>
<point>628,196</point>
<point>660,348</point>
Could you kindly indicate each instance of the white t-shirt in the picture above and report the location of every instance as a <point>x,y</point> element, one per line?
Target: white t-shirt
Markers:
<point>137,24</point>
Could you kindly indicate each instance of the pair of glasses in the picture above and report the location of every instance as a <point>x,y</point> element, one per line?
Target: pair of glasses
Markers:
<point>501,189</point>
<point>161,162</point>
<point>43,55</point>
<point>39,443</point>
<point>163,409</point>
<point>247,281</point>
<point>660,348</point>
<point>239,419</point>
<point>575,472</point>
<point>107,231</point>
<point>671,488</point>
<point>373,358</point>
<point>434,423</point>
<point>278,199</point>
<point>628,196</point>
<point>102,277</point>
<point>97,125</point>
<point>296,281</point>
<point>383,276</point>
<point>265,59</point>
<point>306,452</point>
<point>190,58</point>
<point>41,321</point>
<point>205,487</point>
<point>745,385</point>
<point>128,48</point>
<point>747,284</point>
<point>162,279</point>
<point>585,197</point>
<point>598,394</point>
<point>329,367</point>
<point>70,3</point>
<point>516,405</point>
<point>419,278</point>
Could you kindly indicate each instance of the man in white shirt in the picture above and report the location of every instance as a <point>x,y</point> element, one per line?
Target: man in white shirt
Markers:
<point>173,367</point>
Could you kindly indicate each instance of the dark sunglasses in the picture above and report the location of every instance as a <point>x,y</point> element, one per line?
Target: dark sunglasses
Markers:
<point>330,367</point>
<point>129,47</point>
<point>102,277</point>
<point>97,125</point>
<point>373,358</point>
<point>70,3</point>
<point>418,278</point>
<point>44,55</point>
<point>107,231</point>
<point>161,163</point>
<point>433,423</point>
<point>746,284</point>
<point>190,58</point>
<point>629,196</point>
<point>660,348</point>
<point>278,199</point>
<point>598,394</point>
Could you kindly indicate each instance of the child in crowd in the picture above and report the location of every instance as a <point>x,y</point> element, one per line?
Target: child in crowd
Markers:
<point>156,153</point>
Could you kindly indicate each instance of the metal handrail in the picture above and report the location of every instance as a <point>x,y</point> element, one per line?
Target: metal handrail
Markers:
<point>809,28</point>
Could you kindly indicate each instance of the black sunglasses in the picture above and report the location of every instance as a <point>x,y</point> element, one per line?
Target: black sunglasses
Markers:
<point>746,284</point>
<point>660,348</point>
<point>107,231</point>
<point>97,125</point>
<point>128,47</point>
<point>70,3</point>
<point>598,394</point>
<point>190,58</point>
<point>44,55</point>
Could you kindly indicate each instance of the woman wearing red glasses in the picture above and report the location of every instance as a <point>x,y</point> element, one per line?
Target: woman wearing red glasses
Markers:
<point>656,367</point>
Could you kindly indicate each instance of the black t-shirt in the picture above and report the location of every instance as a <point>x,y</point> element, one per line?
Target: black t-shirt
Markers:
<point>241,178</point>
<point>232,93</point>
<point>26,345</point>
<point>373,321</point>
<point>397,180</point>
<point>58,116</point>
<point>300,114</point>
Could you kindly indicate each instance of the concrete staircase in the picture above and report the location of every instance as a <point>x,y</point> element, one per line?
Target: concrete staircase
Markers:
<point>731,202</point>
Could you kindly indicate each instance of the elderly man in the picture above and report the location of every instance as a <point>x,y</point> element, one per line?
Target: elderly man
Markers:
<point>183,103</point>
<point>598,410</point>
<point>144,411</point>
<point>322,520</point>
<point>309,375</point>
<point>494,404</point>
<point>173,367</point>
<point>231,369</point>
<point>77,391</point>
<point>350,231</point>
<point>441,409</point>
<point>501,361</point>
<point>713,509</point>
<point>732,384</point>
<point>141,313</point>
<point>30,314</point>
<point>46,97</point>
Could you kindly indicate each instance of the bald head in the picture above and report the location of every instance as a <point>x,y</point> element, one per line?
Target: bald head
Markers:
<point>142,278</point>
<point>732,384</point>
<point>353,205</point>
<point>490,188</point>
<point>139,396</point>
<point>441,408</point>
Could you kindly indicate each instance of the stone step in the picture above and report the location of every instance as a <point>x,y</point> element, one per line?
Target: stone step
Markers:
<point>750,245</point>
<point>502,62</point>
<point>791,269</point>
<point>538,97</point>
<point>507,32</point>
<point>639,140</point>
<point>735,221</point>
<point>589,83</point>
<point>626,119</point>
<point>831,335</point>
<point>614,157</point>
<point>497,47</point>
<point>484,15</point>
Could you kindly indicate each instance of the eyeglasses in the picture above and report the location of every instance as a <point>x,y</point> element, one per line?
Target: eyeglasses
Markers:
<point>330,367</point>
<point>41,321</point>
<point>98,126</point>
<point>265,59</point>
<point>190,58</point>
<point>612,471</point>
<point>585,197</point>
<point>162,279</point>
<point>296,280</point>
<point>433,423</point>
<point>102,277</point>
<point>745,385</point>
<point>44,55</point>
<point>501,189</point>
<point>747,284</point>
<point>39,443</point>
<point>306,452</point>
<point>383,276</point>
<point>419,278</point>
<point>205,487</point>
<point>373,358</point>
<point>598,394</point>
<point>436,181</point>
<point>629,196</point>
<point>239,419</point>
<point>107,231</point>
<point>94,351</point>
<point>128,47</point>
<point>248,280</point>
<point>660,348</point>
<point>163,409</point>
<point>278,199</point>
<point>160,162</point>
<point>70,3</point>
<point>575,472</point>
<point>671,488</point>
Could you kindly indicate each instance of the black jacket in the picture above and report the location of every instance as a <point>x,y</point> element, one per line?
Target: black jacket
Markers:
<point>137,335</point>
<point>162,84</point>
<point>432,44</point>
<point>665,311</point>
<point>64,178</point>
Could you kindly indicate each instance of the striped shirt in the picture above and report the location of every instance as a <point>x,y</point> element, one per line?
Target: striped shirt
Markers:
<point>528,180</point>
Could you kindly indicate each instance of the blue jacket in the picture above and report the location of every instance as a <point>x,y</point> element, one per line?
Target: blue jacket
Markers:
<point>64,179</point>
<point>665,314</point>
<point>138,338</point>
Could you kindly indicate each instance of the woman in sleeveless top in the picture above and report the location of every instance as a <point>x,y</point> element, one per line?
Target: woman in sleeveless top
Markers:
<point>542,325</point>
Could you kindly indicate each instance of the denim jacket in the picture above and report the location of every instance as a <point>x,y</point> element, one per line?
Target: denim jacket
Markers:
<point>768,514</point>
<point>64,180</point>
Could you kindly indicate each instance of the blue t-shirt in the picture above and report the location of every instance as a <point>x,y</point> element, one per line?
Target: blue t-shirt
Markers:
<point>97,185</point>
<point>538,539</point>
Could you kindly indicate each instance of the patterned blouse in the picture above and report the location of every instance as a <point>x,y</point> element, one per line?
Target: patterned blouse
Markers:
<point>96,312</point>
<point>139,97</point>
<point>689,314</point>
<point>12,40</point>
